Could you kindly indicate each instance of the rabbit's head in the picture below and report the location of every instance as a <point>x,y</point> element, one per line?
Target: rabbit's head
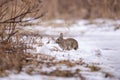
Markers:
<point>60,38</point>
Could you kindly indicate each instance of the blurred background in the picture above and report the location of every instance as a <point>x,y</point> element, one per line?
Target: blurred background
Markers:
<point>76,9</point>
<point>72,9</point>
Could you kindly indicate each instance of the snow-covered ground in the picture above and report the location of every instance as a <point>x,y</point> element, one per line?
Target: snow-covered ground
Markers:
<point>99,45</point>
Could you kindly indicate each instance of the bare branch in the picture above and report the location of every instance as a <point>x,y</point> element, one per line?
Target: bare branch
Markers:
<point>17,14</point>
<point>21,21</point>
<point>5,2</point>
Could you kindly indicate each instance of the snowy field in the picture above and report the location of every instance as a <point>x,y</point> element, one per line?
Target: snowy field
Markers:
<point>99,45</point>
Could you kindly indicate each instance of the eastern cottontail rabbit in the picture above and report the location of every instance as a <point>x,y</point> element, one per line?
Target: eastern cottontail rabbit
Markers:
<point>67,44</point>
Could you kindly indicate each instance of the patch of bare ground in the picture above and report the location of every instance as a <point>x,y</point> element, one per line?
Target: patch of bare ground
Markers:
<point>36,63</point>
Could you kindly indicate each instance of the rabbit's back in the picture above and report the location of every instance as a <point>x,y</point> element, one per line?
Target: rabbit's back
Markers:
<point>71,43</point>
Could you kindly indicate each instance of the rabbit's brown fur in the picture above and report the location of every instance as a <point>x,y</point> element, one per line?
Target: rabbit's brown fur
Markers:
<point>67,44</point>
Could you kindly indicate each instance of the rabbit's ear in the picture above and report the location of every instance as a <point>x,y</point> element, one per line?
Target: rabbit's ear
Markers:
<point>61,35</point>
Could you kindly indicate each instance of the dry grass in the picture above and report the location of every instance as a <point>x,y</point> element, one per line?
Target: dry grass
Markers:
<point>94,68</point>
<point>37,62</point>
<point>11,62</point>
<point>12,50</point>
<point>64,73</point>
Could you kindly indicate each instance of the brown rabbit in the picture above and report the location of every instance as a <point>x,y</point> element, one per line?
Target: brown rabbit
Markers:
<point>67,44</point>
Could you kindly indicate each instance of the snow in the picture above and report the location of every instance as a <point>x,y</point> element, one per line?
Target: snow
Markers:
<point>98,43</point>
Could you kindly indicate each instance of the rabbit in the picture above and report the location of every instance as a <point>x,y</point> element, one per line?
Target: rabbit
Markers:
<point>67,44</point>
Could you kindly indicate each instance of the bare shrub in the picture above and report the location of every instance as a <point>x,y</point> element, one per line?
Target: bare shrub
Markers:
<point>12,47</point>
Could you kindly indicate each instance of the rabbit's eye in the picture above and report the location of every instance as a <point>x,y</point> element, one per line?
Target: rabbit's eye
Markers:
<point>58,40</point>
